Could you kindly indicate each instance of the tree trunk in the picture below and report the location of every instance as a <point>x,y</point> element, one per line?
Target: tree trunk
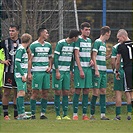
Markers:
<point>23,22</point>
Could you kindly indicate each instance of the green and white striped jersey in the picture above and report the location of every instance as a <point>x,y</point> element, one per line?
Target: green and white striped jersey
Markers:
<point>84,47</point>
<point>65,53</point>
<point>41,54</point>
<point>100,48</point>
<point>21,62</point>
<point>114,53</point>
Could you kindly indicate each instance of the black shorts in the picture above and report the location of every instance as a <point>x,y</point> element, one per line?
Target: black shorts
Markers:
<point>9,81</point>
<point>128,76</point>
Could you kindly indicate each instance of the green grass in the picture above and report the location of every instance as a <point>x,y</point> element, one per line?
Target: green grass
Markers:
<point>80,126</point>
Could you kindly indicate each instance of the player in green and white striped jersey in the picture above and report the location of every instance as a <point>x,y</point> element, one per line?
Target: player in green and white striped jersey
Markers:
<point>40,63</point>
<point>20,74</point>
<point>99,72</point>
<point>118,84</point>
<point>61,72</point>
<point>82,70</point>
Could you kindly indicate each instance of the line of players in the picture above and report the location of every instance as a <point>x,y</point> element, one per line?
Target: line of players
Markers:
<point>74,52</point>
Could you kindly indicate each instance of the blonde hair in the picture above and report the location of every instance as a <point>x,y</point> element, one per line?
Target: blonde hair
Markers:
<point>26,38</point>
<point>122,32</point>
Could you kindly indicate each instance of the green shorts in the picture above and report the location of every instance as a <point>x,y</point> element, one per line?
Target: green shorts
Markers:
<point>119,84</point>
<point>40,80</point>
<point>21,86</point>
<point>99,82</point>
<point>83,82</point>
<point>63,83</point>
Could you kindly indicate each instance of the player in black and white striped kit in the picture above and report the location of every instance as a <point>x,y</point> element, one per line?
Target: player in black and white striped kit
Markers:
<point>125,51</point>
<point>10,46</point>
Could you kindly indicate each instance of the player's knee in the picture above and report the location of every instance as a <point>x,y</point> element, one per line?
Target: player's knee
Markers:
<point>6,94</point>
<point>85,91</point>
<point>77,91</point>
<point>57,92</point>
<point>21,93</point>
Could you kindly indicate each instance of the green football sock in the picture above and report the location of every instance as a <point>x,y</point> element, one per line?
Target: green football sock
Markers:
<point>75,103</point>
<point>33,106</point>
<point>102,103</point>
<point>118,110</point>
<point>21,105</point>
<point>19,111</point>
<point>57,104</point>
<point>43,105</point>
<point>84,103</point>
<point>65,105</point>
<point>93,105</point>
<point>129,108</point>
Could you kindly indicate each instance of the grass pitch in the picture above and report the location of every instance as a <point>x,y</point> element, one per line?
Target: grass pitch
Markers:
<point>63,126</point>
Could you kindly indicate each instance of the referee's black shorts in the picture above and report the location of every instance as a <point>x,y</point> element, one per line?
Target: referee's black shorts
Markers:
<point>9,81</point>
<point>129,77</point>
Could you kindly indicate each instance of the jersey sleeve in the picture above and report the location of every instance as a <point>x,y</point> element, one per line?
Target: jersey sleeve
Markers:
<point>57,54</point>
<point>77,44</point>
<point>114,52</point>
<point>119,50</point>
<point>32,49</point>
<point>18,58</point>
<point>50,51</point>
<point>96,46</point>
<point>58,48</point>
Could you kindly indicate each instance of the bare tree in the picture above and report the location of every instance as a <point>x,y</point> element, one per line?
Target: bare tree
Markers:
<point>31,14</point>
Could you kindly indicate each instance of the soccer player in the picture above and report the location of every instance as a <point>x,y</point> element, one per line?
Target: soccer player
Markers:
<point>10,45</point>
<point>125,52</point>
<point>119,87</point>
<point>82,71</point>
<point>61,72</point>
<point>20,74</point>
<point>40,63</point>
<point>99,72</point>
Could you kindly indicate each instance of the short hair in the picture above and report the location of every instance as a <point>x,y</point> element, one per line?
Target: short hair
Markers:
<point>41,29</point>
<point>104,30</point>
<point>73,33</point>
<point>85,24</point>
<point>26,38</point>
<point>122,32</point>
<point>14,25</point>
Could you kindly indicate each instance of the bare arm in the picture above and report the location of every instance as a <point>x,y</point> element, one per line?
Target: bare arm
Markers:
<point>29,67</point>
<point>118,61</point>
<point>50,64</point>
<point>76,53</point>
<point>29,53</point>
<point>113,60</point>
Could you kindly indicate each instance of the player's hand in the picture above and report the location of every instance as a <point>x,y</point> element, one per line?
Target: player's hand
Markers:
<point>82,75</point>
<point>57,75</point>
<point>48,70</point>
<point>117,75</point>
<point>91,63</point>
<point>7,62</point>
<point>29,76</point>
<point>97,73</point>
<point>23,79</point>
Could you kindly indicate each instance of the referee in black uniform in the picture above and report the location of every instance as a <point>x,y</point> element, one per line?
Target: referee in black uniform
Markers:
<point>125,52</point>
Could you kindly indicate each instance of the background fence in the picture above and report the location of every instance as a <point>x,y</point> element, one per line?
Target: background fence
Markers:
<point>59,16</point>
